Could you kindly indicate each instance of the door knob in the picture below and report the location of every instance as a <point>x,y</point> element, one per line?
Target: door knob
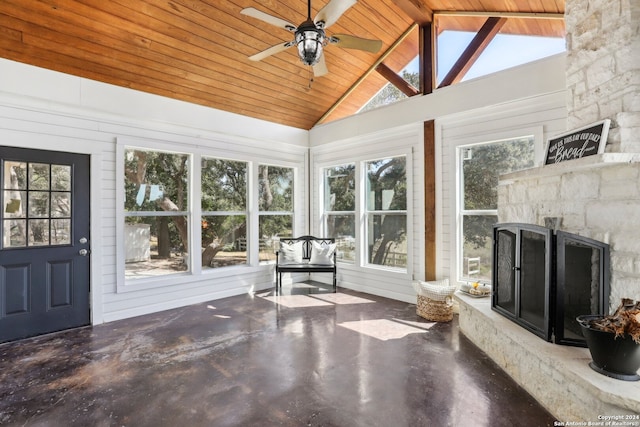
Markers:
<point>83,252</point>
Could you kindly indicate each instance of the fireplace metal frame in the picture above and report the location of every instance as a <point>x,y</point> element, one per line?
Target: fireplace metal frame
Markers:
<point>552,327</point>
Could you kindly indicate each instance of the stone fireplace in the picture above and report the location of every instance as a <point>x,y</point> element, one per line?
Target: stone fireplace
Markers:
<point>597,197</point>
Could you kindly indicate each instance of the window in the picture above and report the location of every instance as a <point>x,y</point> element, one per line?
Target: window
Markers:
<point>275,205</point>
<point>156,213</point>
<point>37,199</point>
<point>339,209</point>
<point>504,51</point>
<point>386,212</point>
<point>224,212</point>
<point>480,168</point>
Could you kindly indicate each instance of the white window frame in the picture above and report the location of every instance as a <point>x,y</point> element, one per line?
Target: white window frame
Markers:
<point>478,140</point>
<point>324,213</point>
<point>246,212</point>
<point>262,213</point>
<point>194,213</point>
<point>361,261</point>
<point>170,279</point>
<point>364,214</point>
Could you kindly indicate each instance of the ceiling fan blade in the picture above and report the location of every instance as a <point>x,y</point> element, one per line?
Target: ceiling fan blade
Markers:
<point>333,11</point>
<point>255,13</point>
<point>352,42</point>
<point>320,69</point>
<point>271,51</point>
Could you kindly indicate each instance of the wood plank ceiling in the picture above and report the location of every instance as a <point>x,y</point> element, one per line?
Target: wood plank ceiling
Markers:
<point>196,50</point>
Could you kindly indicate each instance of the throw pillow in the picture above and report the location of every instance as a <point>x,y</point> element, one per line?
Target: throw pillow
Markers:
<point>291,254</point>
<point>322,254</point>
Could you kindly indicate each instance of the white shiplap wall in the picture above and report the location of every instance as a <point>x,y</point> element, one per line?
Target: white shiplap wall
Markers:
<point>41,109</point>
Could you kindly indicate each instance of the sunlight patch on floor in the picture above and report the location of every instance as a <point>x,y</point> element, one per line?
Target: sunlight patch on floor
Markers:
<point>297,301</point>
<point>385,329</point>
<point>342,299</point>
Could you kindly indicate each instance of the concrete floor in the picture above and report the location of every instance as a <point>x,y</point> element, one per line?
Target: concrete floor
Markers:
<point>304,358</point>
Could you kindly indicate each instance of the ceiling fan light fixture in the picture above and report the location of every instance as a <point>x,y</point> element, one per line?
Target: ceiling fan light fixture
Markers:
<point>310,41</point>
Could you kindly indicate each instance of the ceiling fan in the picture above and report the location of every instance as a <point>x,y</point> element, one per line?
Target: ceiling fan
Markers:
<point>310,36</point>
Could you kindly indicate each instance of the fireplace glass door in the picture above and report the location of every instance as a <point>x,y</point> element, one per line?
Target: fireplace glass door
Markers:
<point>582,284</point>
<point>522,275</point>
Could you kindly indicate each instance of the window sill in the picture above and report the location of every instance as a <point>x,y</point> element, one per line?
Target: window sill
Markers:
<point>187,278</point>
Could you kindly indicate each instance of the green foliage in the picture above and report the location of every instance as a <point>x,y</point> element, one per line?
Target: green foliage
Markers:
<point>224,185</point>
<point>390,94</point>
<point>224,189</point>
<point>481,170</point>
<point>275,195</point>
<point>340,190</point>
<point>169,171</point>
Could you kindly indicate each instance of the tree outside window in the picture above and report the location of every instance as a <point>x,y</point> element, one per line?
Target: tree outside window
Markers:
<point>386,212</point>
<point>481,166</point>
<point>275,204</point>
<point>156,213</point>
<point>339,209</point>
<point>224,212</point>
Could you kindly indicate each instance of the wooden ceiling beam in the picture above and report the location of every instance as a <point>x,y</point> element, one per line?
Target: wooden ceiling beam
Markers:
<point>396,80</point>
<point>471,54</point>
<point>416,10</point>
<point>427,52</point>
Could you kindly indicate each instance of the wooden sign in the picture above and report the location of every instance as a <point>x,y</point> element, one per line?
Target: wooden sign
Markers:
<point>583,142</point>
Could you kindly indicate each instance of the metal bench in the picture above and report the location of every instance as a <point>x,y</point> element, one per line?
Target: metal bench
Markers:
<point>305,266</point>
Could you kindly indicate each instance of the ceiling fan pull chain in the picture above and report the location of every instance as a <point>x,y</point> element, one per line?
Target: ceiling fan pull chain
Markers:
<point>310,77</point>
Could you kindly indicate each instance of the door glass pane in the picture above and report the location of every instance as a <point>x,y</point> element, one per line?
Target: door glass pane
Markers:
<point>38,176</point>
<point>60,231</point>
<point>15,175</point>
<point>38,204</point>
<point>14,232</point>
<point>60,205</point>
<point>60,178</point>
<point>14,204</point>
<point>38,232</point>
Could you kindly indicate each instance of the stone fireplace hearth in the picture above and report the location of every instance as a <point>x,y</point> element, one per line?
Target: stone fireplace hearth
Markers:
<point>596,197</point>
<point>557,376</point>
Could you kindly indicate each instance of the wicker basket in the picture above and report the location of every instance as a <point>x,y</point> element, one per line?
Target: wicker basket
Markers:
<point>436,311</point>
<point>434,300</point>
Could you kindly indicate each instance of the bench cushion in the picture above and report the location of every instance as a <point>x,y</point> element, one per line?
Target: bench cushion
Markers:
<point>291,253</point>
<point>322,254</point>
